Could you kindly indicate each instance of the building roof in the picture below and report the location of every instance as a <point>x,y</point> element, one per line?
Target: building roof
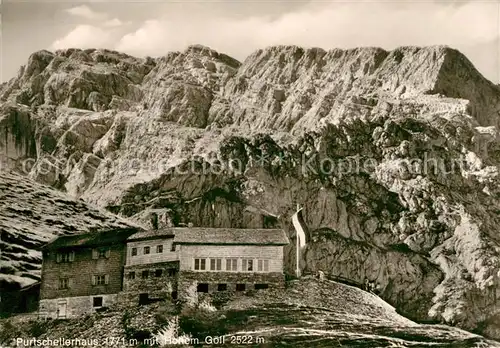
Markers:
<point>152,234</point>
<point>97,238</point>
<point>229,236</point>
<point>32,287</point>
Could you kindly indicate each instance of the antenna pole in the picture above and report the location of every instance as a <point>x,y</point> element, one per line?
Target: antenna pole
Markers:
<point>297,247</point>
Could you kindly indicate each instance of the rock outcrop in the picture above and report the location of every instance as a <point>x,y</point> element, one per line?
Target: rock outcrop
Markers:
<point>394,156</point>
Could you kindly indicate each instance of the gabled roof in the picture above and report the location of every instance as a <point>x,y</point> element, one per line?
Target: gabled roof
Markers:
<point>151,234</point>
<point>98,238</point>
<point>229,236</point>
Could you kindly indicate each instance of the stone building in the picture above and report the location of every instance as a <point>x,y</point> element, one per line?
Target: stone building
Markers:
<point>151,267</point>
<point>162,263</point>
<point>229,259</point>
<point>17,299</point>
<point>85,272</point>
<point>82,273</point>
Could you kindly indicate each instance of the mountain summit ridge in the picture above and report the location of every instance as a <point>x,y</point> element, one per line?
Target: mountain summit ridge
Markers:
<point>405,72</point>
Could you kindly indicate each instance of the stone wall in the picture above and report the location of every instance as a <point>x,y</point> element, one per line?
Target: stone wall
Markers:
<point>75,306</point>
<point>274,254</point>
<point>166,255</point>
<point>80,272</point>
<point>155,286</point>
<point>187,279</point>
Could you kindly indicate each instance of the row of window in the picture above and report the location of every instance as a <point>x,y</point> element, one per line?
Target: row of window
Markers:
<point>105,253</point>
<point>147,250</point>
<point>69,256</point>
<point>97,279</point>
<point>149,273</point>
<point>203,287</point>
<point>65,257</point>
<point>231,265</point>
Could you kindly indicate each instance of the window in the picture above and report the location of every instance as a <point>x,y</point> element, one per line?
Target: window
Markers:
<point>199,264</point>
<point>131,275</point>
<point>174,295</point>
<point>100,279</point>
<point>263,265</point>
<point>215,264</point>
<point>64,283</point>
<point>158,273</point>
<point>232,265</point>
<point>240,287</point>
<point>97,301</point>
<point>159,249</point>
<point>221,287</point>
<point>250,265</point>
<point>261,286</point>
<point>145,274</point>
<point>172,272</point>
<point>202,287</point>
<point>100,253</point>
<point>147,250</point>
<point>247,265</point>
<point>134,251</point>
<point>65,257</point>
<point>173,247</point>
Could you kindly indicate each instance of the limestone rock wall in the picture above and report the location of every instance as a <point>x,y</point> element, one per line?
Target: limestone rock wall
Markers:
<point>394,156</point>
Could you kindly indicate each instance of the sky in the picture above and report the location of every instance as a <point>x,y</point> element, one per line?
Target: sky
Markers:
<point>239,27</point>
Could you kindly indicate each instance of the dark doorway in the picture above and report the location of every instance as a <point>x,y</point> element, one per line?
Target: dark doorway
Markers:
<point>202,287</point>
<point>143,299</point>
<point>174,295</point>
<point>240,287</point>
<point>97,302</point>
<point>261,286</point>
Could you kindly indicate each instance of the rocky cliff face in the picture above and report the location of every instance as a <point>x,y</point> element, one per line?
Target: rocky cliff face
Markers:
<point>394,156</point>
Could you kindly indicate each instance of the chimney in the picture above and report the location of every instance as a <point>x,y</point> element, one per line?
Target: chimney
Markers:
<point>154,221</point>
